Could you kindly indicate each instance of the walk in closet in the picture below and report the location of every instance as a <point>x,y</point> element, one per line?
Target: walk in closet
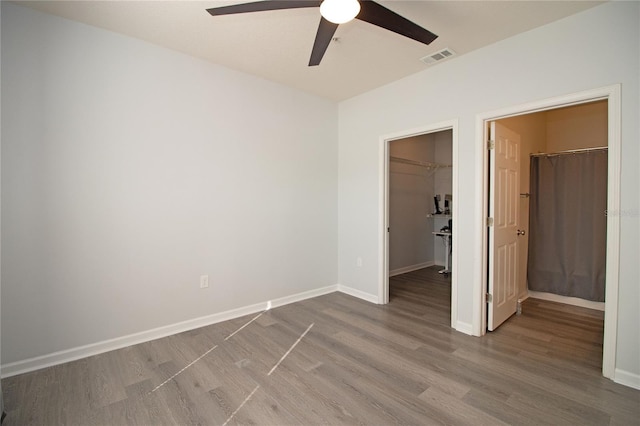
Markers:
<point>420,202</point>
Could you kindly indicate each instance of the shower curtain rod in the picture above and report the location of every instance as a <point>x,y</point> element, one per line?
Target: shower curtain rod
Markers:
<point>571,151</point>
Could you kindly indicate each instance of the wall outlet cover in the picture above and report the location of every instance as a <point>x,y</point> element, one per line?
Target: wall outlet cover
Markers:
<point>204,281</point>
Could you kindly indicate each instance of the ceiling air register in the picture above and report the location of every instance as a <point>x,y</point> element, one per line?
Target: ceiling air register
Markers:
<point>333,13</point>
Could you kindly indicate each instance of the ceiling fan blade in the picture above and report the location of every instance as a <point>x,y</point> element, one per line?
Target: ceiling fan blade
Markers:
<point>379,15</point>
<point>325,33</point>
<point>260,6</point>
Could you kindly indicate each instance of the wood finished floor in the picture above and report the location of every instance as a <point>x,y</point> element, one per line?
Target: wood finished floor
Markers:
<point>357,364</point>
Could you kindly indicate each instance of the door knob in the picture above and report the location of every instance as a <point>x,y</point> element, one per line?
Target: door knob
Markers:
<point>521,232</point>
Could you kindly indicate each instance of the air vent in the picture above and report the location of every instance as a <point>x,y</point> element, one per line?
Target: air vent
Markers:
<point>438,56</point>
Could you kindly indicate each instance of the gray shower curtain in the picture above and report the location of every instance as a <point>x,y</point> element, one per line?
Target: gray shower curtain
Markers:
<point>567,224</point>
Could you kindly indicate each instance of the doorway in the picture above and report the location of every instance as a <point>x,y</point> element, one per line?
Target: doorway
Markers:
<point>577,130</point>
<point>437,171</point>
<point>420,202</point>
<point>611,96</point>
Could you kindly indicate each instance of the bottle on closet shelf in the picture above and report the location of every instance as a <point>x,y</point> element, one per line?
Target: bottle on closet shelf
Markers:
<point>436,202</point>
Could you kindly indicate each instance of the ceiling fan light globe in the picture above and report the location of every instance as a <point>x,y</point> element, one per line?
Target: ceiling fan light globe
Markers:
<point>339,11</point>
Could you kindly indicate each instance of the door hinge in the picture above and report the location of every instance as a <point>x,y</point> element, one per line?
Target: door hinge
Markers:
<point>488,297</point>
<point>491,144</point>
<point>388,229</point>
<point>489,221</point>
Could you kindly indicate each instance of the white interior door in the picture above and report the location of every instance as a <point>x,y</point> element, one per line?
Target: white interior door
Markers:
<point>504,181</point>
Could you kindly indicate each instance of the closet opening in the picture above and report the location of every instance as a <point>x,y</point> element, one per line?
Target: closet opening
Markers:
<point>419,218</point>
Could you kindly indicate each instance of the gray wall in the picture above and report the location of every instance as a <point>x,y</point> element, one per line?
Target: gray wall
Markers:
<point>443,184</point>
<point>1,397</point>
<point>519,70</point>
<point>129,170</point>
<point>410,200</point>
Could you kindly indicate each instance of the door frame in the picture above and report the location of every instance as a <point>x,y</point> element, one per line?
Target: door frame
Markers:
<point>612,95</point>
<point>383,235</point>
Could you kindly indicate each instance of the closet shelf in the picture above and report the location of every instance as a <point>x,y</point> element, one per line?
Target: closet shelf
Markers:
<point>426,164</point>
<point>444,216</point>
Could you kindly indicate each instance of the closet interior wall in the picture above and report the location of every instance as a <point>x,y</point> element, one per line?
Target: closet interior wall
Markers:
<point>419,168</point>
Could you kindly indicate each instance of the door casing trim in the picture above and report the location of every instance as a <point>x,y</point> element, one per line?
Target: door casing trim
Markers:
<point>383,235</point>
<point>612,95</point>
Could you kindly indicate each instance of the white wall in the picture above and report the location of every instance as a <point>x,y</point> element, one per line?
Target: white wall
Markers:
<point>129,170</point>
<point>593,49</point>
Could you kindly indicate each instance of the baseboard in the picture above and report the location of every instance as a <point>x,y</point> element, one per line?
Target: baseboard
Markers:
<point>464,327</point>
<point>411,268</point>
<point>575,301</point>
<point>358,293</point>
<point>626,378</point>
<point>302,296</point>
<point>68,355</point>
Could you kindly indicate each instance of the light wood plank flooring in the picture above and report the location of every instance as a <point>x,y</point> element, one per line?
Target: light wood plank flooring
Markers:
<point>338,360</point>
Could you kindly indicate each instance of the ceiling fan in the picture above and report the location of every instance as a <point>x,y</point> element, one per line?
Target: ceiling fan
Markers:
<point>334,13</point>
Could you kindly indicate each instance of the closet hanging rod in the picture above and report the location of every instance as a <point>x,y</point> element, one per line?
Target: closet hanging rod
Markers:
<point>408,174</point>
<point>426,164</point>
<point>570,151</point>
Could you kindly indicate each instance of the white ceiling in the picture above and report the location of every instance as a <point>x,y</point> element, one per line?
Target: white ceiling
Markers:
<point>276,45</point>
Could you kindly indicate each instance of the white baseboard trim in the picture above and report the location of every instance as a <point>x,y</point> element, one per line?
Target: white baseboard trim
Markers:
<point>411,268</point>
<point>358,293</point>
<point>464,327</point>
<point>302,296</point>
<point>626,378</point>
<point>67,355</point>
<point>575,301</point>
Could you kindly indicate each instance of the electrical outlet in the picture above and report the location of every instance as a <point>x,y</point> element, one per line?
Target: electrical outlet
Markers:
<point>359,261</point>
<point>204,281</point>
